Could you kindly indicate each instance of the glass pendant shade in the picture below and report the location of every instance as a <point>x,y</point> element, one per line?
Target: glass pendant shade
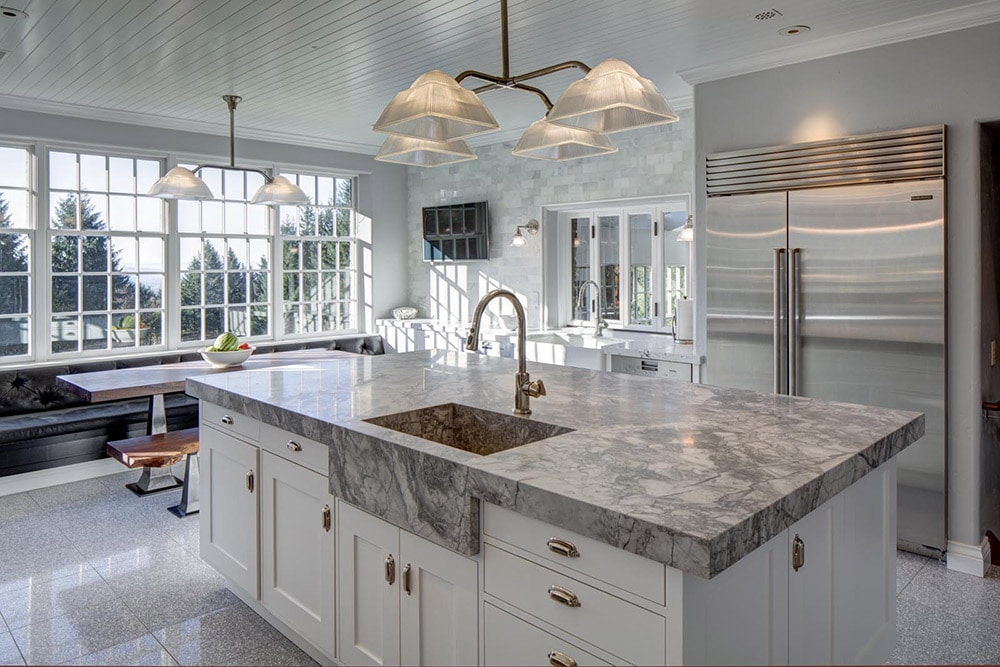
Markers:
<point>180,183</point>
<point>435,107</point>
<point>611,98</point>
<point>546,141</point>
<point>423,152</point>
<point>282,192</point>
<point>518,241</point>
<point>687,231</point>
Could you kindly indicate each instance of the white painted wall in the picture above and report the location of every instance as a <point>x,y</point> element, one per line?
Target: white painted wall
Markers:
<point>651,161</point>
<point>381,186</point>
<point>949,78</point>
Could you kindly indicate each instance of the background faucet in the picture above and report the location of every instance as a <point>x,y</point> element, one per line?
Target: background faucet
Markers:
<point>599,325</point>
<point>523,386</point>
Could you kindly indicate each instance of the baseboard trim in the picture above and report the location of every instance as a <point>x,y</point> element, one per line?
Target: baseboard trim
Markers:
<point>39,479</point>
<point>969,558</point>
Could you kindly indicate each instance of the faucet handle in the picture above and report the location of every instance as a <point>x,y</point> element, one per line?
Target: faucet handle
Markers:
<point>534,388</point>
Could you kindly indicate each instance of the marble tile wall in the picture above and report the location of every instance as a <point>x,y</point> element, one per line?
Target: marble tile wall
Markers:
<point>653,161</point>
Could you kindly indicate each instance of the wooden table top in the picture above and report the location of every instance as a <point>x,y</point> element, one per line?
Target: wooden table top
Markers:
<point>142,381</point>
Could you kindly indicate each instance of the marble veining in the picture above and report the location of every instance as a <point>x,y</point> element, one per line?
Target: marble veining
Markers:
<point>693,476</point>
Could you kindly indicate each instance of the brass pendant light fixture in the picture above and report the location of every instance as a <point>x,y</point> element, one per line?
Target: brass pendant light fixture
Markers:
<point>437,111</point>
<point>182,183</point>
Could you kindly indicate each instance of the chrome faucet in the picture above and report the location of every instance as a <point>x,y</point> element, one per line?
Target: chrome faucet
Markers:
<point>523,386</point>
<point>600,325</point>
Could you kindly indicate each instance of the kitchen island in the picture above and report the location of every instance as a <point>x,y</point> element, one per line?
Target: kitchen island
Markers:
<point>645,521</point>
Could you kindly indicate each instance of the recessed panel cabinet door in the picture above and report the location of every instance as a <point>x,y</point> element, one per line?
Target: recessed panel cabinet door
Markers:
<point>297,549</point>
<point>229,536</point>
<point>810,587</point>
<point>368,585</point>
<point>438,605</point>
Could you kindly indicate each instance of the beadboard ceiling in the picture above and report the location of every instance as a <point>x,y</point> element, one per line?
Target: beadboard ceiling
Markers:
<point>318,72</point>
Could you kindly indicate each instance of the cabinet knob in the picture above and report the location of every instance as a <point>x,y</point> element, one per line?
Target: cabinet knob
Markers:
<point>560,659</point>
<point>294,446</point>
<point>563,596</point>
<point>798,553</point>
<point>327,521</point>
<point>390,569</point>
<point>563,547</point>
<point>227,420</point>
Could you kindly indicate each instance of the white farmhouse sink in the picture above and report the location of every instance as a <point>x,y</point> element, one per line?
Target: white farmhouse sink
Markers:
<point>566,348</point>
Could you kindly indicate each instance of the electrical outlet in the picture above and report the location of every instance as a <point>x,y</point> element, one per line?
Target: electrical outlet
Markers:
<point>993,353</point>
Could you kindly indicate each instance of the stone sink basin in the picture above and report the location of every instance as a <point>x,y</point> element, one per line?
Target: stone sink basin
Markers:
<point>474,430</point>
<point>573,339</point>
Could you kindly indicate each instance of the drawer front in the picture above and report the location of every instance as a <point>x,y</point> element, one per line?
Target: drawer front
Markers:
<point>618,627</point>
<point>229,421</point>
<point>635,574</point>
<point>512,641</point>
<point>675,370</point>
<point>308,453</point>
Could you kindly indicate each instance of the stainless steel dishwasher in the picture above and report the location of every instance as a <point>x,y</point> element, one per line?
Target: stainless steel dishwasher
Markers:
<point>675,370</point>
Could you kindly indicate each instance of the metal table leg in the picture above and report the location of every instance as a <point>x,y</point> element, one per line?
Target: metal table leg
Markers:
<point>189,496</point>
<point>155,479</point>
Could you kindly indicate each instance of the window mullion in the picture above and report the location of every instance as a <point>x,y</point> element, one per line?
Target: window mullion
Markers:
<point>41,268</point>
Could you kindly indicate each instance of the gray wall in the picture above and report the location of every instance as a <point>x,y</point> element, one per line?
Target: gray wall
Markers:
<point>381,187</point>
<point>652,161</point>
<point>949,78</point>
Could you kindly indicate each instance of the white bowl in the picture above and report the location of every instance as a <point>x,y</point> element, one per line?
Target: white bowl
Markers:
<point>404,312</point>
<point>227,359</point>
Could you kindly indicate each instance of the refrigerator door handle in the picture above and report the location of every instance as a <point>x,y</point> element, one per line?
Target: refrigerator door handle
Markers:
<point>793,320</point>
<point>776,306</point>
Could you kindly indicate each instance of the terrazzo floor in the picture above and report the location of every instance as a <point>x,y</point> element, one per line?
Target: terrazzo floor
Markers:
<point>90,574</point>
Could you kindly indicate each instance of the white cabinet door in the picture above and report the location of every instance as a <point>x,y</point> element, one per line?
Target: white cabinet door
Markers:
<point>438,606</point>
<point>368,585</point>
<point>810,588</point>
<point>297,549</point>
<point>229,507</point>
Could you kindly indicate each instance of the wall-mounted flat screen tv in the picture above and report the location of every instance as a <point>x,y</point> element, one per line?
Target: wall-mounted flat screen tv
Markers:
<point>456,233</point>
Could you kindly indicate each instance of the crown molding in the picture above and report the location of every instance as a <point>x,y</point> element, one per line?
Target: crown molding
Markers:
<point>163,122</point>
<point>935,23</point>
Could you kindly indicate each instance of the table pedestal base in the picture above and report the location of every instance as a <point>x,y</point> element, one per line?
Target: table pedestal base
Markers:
<point>153,480</point>
<point>190,503</point>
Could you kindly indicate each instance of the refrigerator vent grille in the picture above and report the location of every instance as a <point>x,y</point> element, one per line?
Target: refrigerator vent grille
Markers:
<point>902,155</point>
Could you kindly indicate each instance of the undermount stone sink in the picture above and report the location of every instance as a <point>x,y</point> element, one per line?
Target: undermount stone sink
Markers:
<point>481,432</point>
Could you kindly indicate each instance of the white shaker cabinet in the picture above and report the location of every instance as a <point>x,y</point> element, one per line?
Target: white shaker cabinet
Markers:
<point>403,600</point>
<point>297,549</point>
<point>229,536</point>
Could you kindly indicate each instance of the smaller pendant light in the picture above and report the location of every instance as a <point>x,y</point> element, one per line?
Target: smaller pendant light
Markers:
<point>547,141</point>
<point>424,152</point>
<point>182,183</point>
<point>687,231</point>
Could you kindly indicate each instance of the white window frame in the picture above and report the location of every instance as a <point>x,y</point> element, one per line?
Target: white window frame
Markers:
<point>31,231</point>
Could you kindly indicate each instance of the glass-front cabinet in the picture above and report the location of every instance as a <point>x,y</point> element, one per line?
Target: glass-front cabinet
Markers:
<point>633,253</point>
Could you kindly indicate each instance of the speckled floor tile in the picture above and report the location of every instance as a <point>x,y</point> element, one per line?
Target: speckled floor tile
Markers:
<point>74,493</point>
<point>144,650</point>
<point>54,597</point>
<point>217,637</point>
<point>907,566</point>
<point>9,653</point>
<point>281,653</point>
<point>77,633</point>
<point>18,506</point>
<point>29,566</point>
<point>937,587</point>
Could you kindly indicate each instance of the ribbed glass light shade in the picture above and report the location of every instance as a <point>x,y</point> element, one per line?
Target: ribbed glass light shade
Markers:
<point>518,241</point>
<point>687,231</point>
<point>611,98</point>
<point>180,183</point>
<point>545,141</point>
<point>423,152</point>
<point>435,107</point>
<point>280,191</point>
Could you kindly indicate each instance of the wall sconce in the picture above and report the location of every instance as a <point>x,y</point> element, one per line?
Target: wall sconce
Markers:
<point>687,231</point>
<point>519,241</point>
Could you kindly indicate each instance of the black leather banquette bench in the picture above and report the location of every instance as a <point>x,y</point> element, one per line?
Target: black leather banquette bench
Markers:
<point>44,426</point>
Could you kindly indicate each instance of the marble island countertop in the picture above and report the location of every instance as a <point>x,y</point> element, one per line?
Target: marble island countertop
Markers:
<point>689,475</point>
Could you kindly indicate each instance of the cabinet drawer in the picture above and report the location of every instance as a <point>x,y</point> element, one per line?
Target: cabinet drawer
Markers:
<point>619,627</point>
<point>513,641</point>
<point>635,574</point>
<point>309,453</point>
<point>230,421</point>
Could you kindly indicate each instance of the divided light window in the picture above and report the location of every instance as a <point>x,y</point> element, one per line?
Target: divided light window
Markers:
<point>107,247</point>
<point>225,259</point>
<point>15,254</point>
<point>318,258</point>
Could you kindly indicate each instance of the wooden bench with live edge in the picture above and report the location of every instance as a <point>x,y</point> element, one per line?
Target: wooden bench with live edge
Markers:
<point>158,451</point>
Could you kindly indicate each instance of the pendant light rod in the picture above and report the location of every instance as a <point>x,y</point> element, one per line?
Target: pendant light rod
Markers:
<point>505,80</point>
<point>231,102</point>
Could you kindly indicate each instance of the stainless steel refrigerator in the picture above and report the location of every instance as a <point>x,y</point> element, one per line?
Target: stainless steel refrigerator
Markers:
<point>838,293</point>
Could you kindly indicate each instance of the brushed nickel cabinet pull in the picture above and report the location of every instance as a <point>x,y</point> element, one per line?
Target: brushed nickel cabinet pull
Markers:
<point>294,446</point>
<point>250,481</point>
<point>327,521</point>
<point>406,578</point>
<point>560,659</point>
<point>563,596</point>
<point>798,553</point>
<point>390,569</point>
<point>227,420</point>
<point>563,547</point>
